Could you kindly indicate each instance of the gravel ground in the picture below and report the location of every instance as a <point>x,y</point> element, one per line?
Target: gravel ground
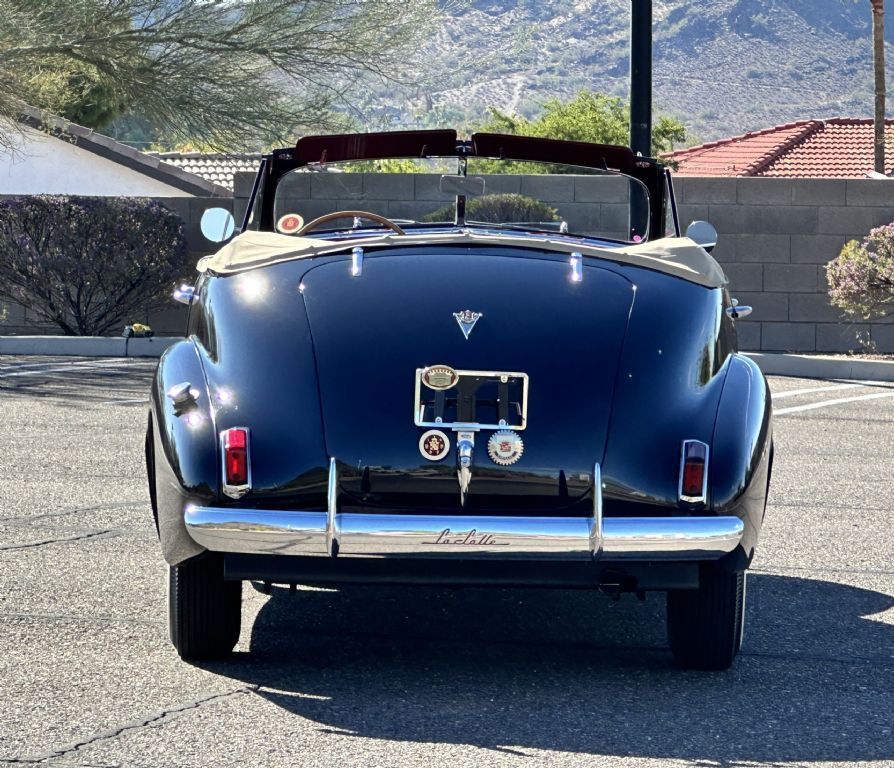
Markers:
<point>421,676</point>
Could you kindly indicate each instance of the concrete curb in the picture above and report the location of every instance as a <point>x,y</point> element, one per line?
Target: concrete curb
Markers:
<point>813,367</point>
<point>86,346</point>
<point>772,364</point>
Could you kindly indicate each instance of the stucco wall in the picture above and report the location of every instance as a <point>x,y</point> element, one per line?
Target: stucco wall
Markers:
<point>45,165</point>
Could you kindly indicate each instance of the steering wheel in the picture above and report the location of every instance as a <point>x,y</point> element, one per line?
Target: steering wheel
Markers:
<point>350,214</point>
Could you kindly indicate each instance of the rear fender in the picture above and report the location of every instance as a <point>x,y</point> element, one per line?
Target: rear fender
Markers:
<point>182,449</point>
<point>741,449</point>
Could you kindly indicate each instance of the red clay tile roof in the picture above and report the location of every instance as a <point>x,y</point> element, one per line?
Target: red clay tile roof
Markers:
<point>840,147</point>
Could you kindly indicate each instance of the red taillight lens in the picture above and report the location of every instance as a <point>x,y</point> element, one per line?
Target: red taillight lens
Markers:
<point>692,473</point>
<point>236,456</point>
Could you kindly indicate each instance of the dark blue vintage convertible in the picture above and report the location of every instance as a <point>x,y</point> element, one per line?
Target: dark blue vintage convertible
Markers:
<point>514,372</point>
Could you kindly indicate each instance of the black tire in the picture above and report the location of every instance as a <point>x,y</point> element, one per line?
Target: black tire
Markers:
<point>704,625</point>
<point>204,610</point>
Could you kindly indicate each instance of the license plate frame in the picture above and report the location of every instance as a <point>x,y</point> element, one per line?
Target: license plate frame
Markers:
<point>473,393</point>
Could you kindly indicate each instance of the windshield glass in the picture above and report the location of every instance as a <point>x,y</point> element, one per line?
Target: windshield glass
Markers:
<point>502,194</point>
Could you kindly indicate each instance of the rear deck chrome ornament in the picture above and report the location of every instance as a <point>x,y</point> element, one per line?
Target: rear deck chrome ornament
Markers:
<point>505,447</point>
<point>356,262</point>
<point>466,320</point>
<point>577,267</point>
<point>439,377</point>
<point>434,445</point>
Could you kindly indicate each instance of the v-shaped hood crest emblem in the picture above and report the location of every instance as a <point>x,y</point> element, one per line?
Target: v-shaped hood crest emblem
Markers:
<point>466,320</point>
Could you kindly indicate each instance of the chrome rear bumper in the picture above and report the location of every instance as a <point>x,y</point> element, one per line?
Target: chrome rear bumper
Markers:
<point>346,534</point>
<point>255,531</point>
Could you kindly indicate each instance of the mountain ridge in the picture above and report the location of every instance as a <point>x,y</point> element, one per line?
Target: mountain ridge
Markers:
<point>723,68</point>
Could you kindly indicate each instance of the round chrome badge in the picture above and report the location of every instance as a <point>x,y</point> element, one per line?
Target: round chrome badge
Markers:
<point>434,445</point>
<point>505,447</point>
<point>439,377</point>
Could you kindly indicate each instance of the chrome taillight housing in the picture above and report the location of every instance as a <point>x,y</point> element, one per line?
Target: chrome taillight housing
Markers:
<point>694,472</point>
<point>235,453</point>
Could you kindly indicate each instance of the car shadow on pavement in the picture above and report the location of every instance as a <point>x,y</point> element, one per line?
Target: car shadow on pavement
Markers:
<point>516,670</point>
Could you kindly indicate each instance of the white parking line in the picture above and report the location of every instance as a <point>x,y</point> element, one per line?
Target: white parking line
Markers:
<point>826,403</point>
<point>810,390</point>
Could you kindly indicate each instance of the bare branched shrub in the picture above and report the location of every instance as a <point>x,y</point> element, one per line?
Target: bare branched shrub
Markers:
<point>87,264</point>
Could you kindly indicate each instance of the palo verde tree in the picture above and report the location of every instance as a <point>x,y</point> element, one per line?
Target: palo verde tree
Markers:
<point>218,71</point>
<point>87,264</point>
<point>590,116</point>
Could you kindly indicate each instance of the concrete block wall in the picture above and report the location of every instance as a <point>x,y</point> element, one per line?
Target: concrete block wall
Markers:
<point>775,238</point>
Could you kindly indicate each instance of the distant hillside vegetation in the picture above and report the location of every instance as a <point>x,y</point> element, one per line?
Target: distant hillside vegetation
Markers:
<point>723,67</point>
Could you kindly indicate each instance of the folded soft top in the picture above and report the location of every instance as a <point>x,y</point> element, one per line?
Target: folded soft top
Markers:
<point>678,256</point>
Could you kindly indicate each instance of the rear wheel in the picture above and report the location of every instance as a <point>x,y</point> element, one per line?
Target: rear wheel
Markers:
<point>704,625</point>
<point>204,610</point>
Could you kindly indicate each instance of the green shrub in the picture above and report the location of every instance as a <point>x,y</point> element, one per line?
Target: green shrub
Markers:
<point>87,264</point>
<point>861,278</point>
<point>499,209</point>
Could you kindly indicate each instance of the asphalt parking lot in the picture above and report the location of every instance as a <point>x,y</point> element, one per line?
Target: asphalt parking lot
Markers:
<point>413,677</point>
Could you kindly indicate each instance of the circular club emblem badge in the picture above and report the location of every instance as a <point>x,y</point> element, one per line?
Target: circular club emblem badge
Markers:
<point>434,445</point>
<point>289,223</point>
<point>505,447</point>
<point>439,377</point>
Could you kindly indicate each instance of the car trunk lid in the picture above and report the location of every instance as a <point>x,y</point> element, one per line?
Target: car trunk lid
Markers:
<point>372,332</point>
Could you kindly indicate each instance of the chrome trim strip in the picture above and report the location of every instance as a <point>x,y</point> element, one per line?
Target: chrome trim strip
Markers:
<point>669,538</point>
<point>457,536</point>
<point>235,491</point>
<point>332,510</point>
<point>418,409</point>
<point>704,495</point>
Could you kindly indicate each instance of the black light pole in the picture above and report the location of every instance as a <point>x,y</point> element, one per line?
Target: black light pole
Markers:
<point>641,77</point>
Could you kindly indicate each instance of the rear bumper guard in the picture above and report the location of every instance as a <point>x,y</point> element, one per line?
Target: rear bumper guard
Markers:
<point>345,534</point>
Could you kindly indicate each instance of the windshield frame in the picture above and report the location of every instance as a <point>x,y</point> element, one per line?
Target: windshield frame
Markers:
<point>444,143</point>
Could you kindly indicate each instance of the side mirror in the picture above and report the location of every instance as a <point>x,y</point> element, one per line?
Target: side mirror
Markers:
<point>702,233</point>
<point>217,225</point>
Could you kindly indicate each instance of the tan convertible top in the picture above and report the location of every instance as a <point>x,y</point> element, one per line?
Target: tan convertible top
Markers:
<point>678,256</point>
